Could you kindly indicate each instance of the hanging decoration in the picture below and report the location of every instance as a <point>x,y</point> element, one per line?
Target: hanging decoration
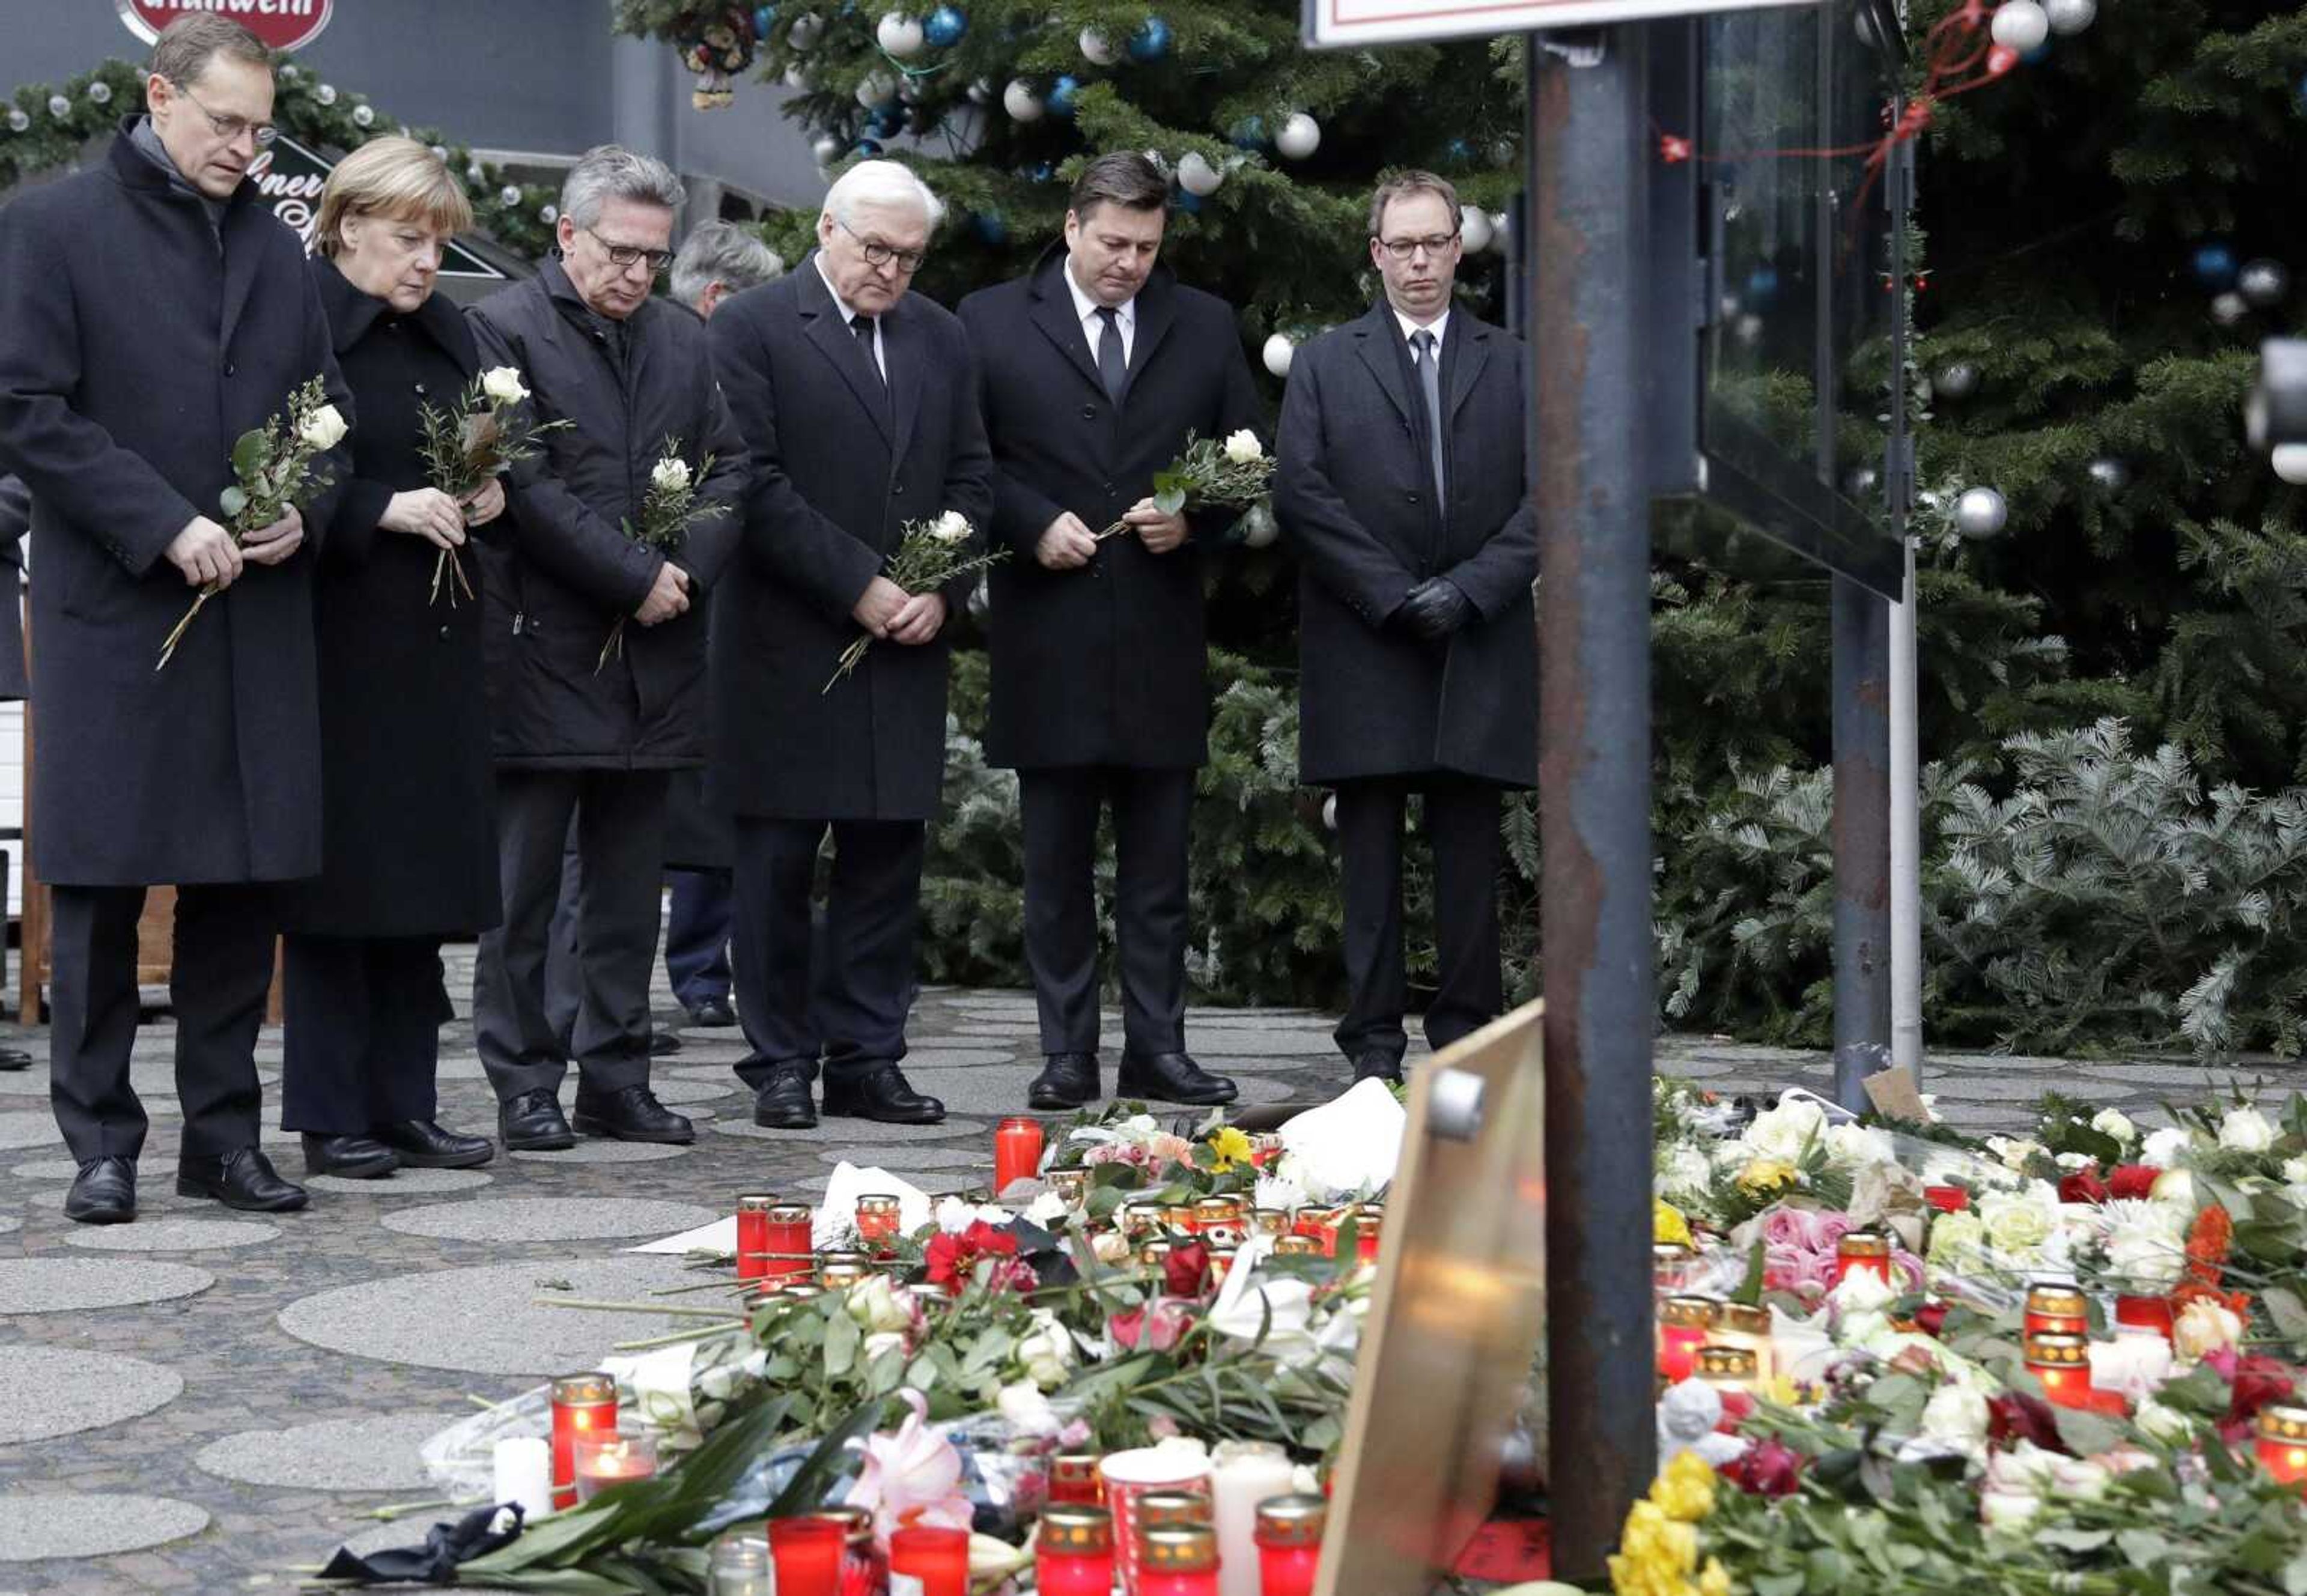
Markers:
<point>715,52</point>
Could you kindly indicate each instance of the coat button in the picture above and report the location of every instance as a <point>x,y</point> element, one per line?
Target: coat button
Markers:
<point>1089,412</point>
<point>445,634</point>
<point>897,487</point>
<point>1411,497</point>
<point>230,369</point>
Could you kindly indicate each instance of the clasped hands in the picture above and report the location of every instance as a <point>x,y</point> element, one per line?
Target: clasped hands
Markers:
<point>1067,544</point>
<point>888,611</point>
<point>205,553</point>
<point>1434,609</point>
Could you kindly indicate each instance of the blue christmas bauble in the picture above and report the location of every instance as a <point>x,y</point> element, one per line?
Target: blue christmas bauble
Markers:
<point>1040,171</point>
<point>764,16</point>
<point>888,122</point>
<point>868,148</point>
<point>1151,42</point>
<point>1248,133</point>
<point>1761,285</point>
<point>2037,56</point>
<point>1459,152</point>
<point>1185,199</point>
<point>990,228</point>
<point>2215,267</point>
<point>1064,96</point>
<point>945,26</point>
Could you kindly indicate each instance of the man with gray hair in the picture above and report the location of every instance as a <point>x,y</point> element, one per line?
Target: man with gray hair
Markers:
<point>859,409</point>
<point>582,729</point>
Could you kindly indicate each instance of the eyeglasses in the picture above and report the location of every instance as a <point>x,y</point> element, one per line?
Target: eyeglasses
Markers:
<point>624,257</point>
<point>1402,249</point>
<point>909,260</point>
<point>230,128</point>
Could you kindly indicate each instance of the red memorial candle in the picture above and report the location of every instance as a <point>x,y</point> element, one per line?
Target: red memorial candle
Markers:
<point>1369,1219</point>
<point>2282,1444</point>
<point>1290,1544</point>
<point>1683,1324</point>
<point>753,1233</point>
<point>1072,1555</point>
<point>1074,1479</point>
<point>861,1567</point>
<point>2063,1363</point>
<point>2145,1313</point>
<point>787,1230</point>
<point>1177,1560</point>
<point>808,1554</point>
<point>876,1218</point>
<point>1016,1151</point>
<point>2056,1307</point>
<point>582,1404</point>
<point>1863,1252</point>
<point>1947,1200</point>
<point>935,1558</point>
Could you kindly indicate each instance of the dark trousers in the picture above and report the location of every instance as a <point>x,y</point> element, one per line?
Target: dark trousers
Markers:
<point>1152,810</point>
<point>856,1010</point>
<point>218,974</point>
<point>620,816</point>
<point>697,935</point>
<point>364,1016</point>
<point>1462,823</point>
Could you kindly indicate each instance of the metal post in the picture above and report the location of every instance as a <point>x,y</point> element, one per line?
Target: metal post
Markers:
<point>1906,773</point>
<point>1589,178</point>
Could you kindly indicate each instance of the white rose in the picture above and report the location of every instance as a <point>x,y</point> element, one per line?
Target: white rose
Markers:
<point>1787,1131</point>
<point>1047,1352</point>
<point>2166,1149</point>
<point>670,475</point>
<point>503,386</point>
<point>1028,1410</point>
<point>2077,1161</point>
<point>952,527</point>
<point>2246,1130</point>
<point>2019,1224</point>
<point>880,1342</point>
<point>2112,1122</point>
<point>2079,1478</point>
<point>1047,1209</point>
<point>324,429</point>
<point>1111,1246</point>
<point>874,1302</point>
<point>1956,1241</point>
<point>1957,1415</point>
<point>955,1215</point>
<point>2008,1513</point>
<point>2145,1242</point>
<point>1856,1146</point>
<point>2166,1425</point>
<point>1862,1291</point>
<point>2204,1328</point>
<point>2015,1152</point>
<point>1243,447</point>
<point>2176,1187</point>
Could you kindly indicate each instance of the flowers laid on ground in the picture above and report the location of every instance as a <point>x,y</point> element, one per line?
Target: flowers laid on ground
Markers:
<point>485,436</point>
<point>668,510</point>
<point>930,554</point>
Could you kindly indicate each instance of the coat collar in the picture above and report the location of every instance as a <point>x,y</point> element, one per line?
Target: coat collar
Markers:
<point>1054,312</point>
<point>825,326</point>
<point>131,168</point>
<point>352,313</point>
<point>1378,339</point>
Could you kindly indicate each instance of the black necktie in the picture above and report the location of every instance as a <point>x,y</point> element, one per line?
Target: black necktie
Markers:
<point>1112,370</point>
<point>862,326</point>
<point>1429,377</point>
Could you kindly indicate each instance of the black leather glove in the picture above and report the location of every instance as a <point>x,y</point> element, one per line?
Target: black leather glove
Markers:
<point>1436,608</point>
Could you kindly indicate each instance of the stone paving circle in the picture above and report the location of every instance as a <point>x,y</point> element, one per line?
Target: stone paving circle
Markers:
<point>884,1133</point>
<point>172,1235</point>
<point>21,1129</point>
<point>548,1219</point>
<point>696,1088</point>
<point>592,1151</point>
<point>372,1453</point>
<point>45,1525</point>
<point>46,1168</point>
<point>49,1391</point>
<point>403,1182</point>
<point>909,1158</point>
<point>68,1285</point>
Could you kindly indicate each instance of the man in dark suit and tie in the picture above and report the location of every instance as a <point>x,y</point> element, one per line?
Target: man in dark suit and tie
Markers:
<point>859,410</point>
<point>1095,365</point>
<point>1401,483</point>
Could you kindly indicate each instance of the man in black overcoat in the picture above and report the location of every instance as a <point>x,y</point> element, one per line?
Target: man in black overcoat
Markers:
<point>15,682</point>
<point>582,727</point>
<point>152,311</point>
<point>1094,367</point>
<point>859,407</point>
<point>1401,484</point>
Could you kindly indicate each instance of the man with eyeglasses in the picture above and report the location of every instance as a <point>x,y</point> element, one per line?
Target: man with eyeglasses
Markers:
<point>1401,482</point>
<point>152,311</point>
<point>583,730</point>
<point>857,401</point>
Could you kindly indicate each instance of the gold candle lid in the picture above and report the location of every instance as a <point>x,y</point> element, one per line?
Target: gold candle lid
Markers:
<point>1075,1468</point>
<point>843,1274</point>
<point>1080,1528</point>
<point>578,1390</point>
<point>1863,1244</point>
<point>843,1255</point>
<point>1295,1520</point>
<point>1689,1310</point>
<point>1155,1251</point>
<point>757,1202</point>
<point>789,1214</point>
<point>1292,1247</point>
<point>1671,1252</point>
<point>1726,1364</point>
<point>2057,1299</point>
<point>1179,1548</point>
<point>1173,1507</point>
<point>1178,1216</point>
<point>877,1203</point>
<point>1270,1222</point>
<point>1744,1319</point>
<point>857,1522</point>
<point>930,1291</point>
<point>2056,1349</point>
<point>2282,1421</point>
<point>798,1288</point>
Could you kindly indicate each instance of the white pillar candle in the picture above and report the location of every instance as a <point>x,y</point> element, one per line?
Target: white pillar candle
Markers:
<point>523,1474</point>
<point>1242,1475</point>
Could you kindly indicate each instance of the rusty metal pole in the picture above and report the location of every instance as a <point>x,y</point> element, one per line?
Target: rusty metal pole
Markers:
<point>1589,181</point>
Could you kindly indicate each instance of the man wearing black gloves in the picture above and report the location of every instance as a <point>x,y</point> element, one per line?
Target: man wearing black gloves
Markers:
<point>1400,481</point>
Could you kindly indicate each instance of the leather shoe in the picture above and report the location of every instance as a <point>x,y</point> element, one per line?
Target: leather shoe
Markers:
<point>242,1178</point>
<point>425,1145</point>
<point>15,1058</point>
<point>104,1192</point>
<point>631,1114</point>
<point>1375,1065</point>
<point>1170,1078</point>
<point>784,1103</point>
<point>662,1042</point>
<point>531,1123</point>
<point>1067,1081</point>
<point>881,1092</point>
<point>354,1157</point>
<point>713,1014</point>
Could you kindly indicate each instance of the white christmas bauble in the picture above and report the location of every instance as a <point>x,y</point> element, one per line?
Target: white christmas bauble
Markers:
<point>1197,175</point>
<point>825,149</point>
<point>807,28</point>
<point>2290,462</point>
<point>326,94</point>
<point>100,93</point>
<point>59,106</point>
<point>2110,474</point>
<point>1501,233</point>
<point>981,600</point>
<point>796,76</point>
<point>1329,812</point>
<point>899,35</point>
<point>2229,308</point>
<point>1958,380</point>
<point>1299,137</point>
<point>1259,529</point>
<point>548,214</point>
<point>2020,25</point>
<point>875,89</point>
<point>1277,353</point>
<point>363,115</point>
<point>2265,283</point>
<point>2071,16</point>
<point>980,92</point>
<point>510,194</point>
<point>1747,329</point>
<point>17,120</point>
<point>1980,513</point>
<point>1474,225</point>
<point>1021,102</point>
<point>1863,482</point>
<point>1097,50</point>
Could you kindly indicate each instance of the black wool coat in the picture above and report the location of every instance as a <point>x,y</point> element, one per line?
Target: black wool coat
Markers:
<point>563,572</point>
<point>135,349</point>
<point>1353,490</point>
<point>838,465</point>
<point>1104,665</point>
<point>16,520</point>
<point>406,809</point>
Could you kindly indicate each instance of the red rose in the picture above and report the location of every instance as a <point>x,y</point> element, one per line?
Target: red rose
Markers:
<point>2083,1185</point>
<point>2016,1416</point>
<point>1156,1327</point>
<point>2132,1182</point>
<point>1930,1318</point>
<point>1770,1468</point>
<point>2259,1380</point>
<point>1185,1272</point>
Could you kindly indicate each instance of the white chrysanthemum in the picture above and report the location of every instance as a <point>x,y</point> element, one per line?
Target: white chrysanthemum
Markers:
<point>2145,1242</point>
<point>1855,1146</point>
<point>1786,1131</point>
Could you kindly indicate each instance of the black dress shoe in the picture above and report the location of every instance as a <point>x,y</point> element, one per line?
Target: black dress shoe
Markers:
<point>354,1157</point>
<point>531,1123</point>
<point>784,1103</point>
<point>15,1058</point>
<point>242,1178</point>
<point>425,1145</point>
<point>662,1042</point>
<point>713,1014</point>
<point>1378,1067</point>
<point>632,1114</point>
<point>104,1192</point>
<point>1067,1081</point>
<point>1170,1078</point>
<point>881,1093</point>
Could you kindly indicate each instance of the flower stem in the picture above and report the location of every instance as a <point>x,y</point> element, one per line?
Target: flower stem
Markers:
<point>666,1309</point>
<point>677,1337</point>
<point>616,645</point>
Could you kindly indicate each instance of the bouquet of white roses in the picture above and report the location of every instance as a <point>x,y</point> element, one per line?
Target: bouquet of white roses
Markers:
<point>484,437</point>
<point>273,470</point>
<point>667,510</point>
<point>929,554</point>
<point>1208,474</point>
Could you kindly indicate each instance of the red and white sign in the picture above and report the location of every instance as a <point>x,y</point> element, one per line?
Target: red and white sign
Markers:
<point>1333,22</point>
<point>282,25</point>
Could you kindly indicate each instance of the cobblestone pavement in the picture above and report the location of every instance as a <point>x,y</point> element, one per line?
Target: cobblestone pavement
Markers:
<point>233,1420</point>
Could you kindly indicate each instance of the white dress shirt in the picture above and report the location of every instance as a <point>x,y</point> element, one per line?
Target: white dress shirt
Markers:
<point>1086,307</point>
<point>849,317</point>
<point>1434,327</point>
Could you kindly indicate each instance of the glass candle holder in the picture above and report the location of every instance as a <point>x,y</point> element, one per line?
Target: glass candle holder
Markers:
<point>753,1233</point>
<point>1073,1554</point>
<point>790,1245</point>
<point>860,1559</point>
<point>1155,1508</point>
<point>1746,1325</point>
<point>839,1268</point>
<point>2145,1313</point>
<point>1863,1252</point>
<point>1947,1200</point>
<point>1074,1479</point>
<point>1685,1322</point>
<point>934,1557</point>
<point>1295,1246</point>
<point>1290,1543</point>
<point>1269,1222</point>
<point>1370,1222</point>
<point>1072,1186</point>
<point>1728,1369</point>
<point>808,1554</point>
<point>2058,1307</point>
<point>1016,1151</point>
<point>1140,1219</point>
<point>1177,1560</point>
<point>876,1218</point>
<point>2282,1441</point>
<point>738,1565</point>
<point>2063,1363</point>
<point>1178,1218</point>
<point>1222,1257</point>
<point>1219,1219</point>
<point>606,1458</point>
<point>1154,1251</point>
<point>582,1404</point>
<point>1670,1265</point>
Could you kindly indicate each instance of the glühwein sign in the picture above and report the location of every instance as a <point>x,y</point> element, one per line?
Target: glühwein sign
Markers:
<point>282,24</point>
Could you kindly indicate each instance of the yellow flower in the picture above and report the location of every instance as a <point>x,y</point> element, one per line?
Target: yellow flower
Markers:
<point>1232,1149</point>
<point>1685,1490</point>
<point>1762,1176</point>
<point>1668,1224</point>
<point>1715,1581</point>
<point>1659,1543</point>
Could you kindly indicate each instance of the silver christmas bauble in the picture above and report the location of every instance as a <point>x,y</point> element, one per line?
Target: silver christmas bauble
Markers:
<point>982,92</point>
<point>875,89</point>
<point>17,120</point>
<point>1259,529</point>
<point>59,106</point>
<point>2070,17</point>
<point>1299,137</point>
<point>981,600</point>
<point>825,149</point>
<point>1863,482</point>
<point>1021,102</point>
<point>1329,812</point>
<point>100,93</point>
<point>1957,379</point>
<point>1501,233</point>
<point>1096,48</point>
<point>2290,462</point>
<point>326,94</point>
<point>1474,227</point>
<point>1197,177</point>
<point>1980,513</point>
<point>899,36</point>
<point>510,194</point>
<point>363,115</point>
<point>807,28</point>
<point>2020,25</point>
<point>2229,308</point>
<point>2110,474</point>
<point>548,214</point>
<point>1277,354</point>
<point>2264,284</point>
<point>796,76</point>
<point>440,153</point>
